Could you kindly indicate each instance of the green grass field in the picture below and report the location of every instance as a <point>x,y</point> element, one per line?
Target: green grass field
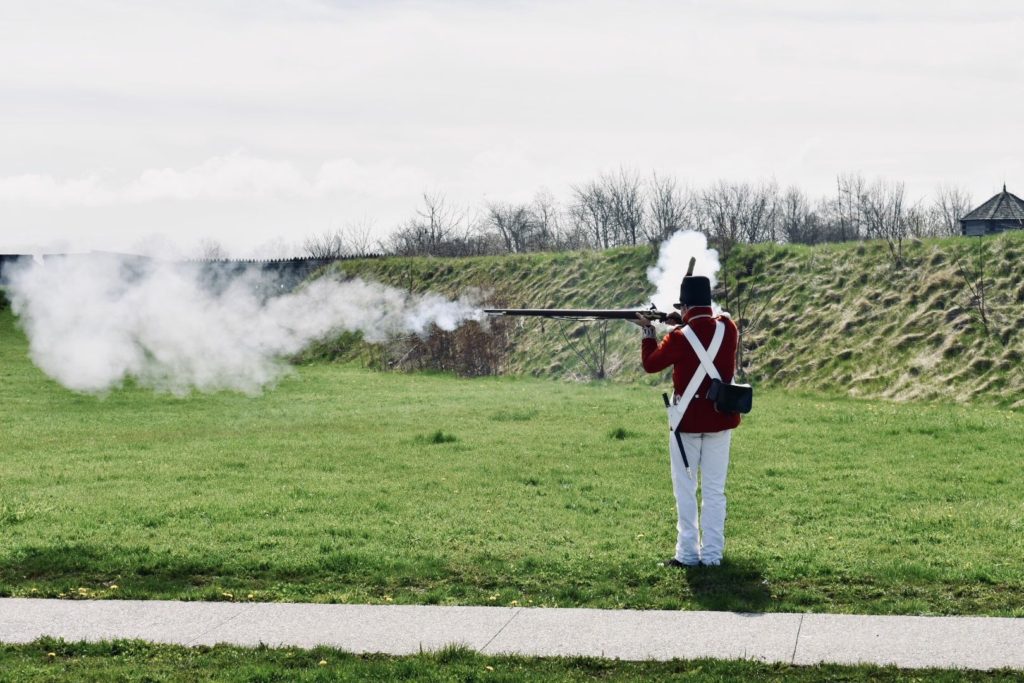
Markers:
<point>343,485</point>
<point>53,660</point>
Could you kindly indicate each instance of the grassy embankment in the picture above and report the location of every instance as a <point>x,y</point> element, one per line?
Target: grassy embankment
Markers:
<point>839,317</point>
<point>352,486</point>
<point>140,661</point>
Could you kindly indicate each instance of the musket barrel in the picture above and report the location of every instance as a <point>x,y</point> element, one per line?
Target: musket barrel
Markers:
<point>579,313</point>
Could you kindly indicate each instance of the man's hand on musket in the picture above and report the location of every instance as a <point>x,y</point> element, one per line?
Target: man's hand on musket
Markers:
<point>642,320</point>
<point>672,318</point>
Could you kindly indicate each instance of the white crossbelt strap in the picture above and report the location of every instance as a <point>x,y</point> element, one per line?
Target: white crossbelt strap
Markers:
<point>707,356</point>
<point>706,368</point>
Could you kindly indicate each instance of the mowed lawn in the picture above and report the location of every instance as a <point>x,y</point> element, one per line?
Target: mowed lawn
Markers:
<point>54,660</point>
<point>346,485</point>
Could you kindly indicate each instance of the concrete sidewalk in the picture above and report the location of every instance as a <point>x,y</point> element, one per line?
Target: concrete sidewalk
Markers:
<point>908,642</point>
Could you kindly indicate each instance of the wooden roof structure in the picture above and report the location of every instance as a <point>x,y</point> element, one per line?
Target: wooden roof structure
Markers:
<point>1004,211</point>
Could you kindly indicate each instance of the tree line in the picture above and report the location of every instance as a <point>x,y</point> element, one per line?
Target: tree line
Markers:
<point>627,209</point>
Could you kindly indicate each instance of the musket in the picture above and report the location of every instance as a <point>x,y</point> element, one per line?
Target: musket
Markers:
<point>584,313</point>
<point>651,313</point>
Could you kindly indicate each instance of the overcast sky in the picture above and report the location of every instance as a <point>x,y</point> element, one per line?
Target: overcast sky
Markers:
<point>125,125</point>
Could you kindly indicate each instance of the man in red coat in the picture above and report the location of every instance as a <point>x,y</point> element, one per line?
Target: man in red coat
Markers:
<point>705,433</point>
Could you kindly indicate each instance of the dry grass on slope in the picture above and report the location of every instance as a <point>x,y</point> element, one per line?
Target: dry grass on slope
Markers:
<point>845,318</point>
<point>839,318</point>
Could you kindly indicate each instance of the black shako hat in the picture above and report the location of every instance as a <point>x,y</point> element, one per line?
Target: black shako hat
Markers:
<point>695,291</point>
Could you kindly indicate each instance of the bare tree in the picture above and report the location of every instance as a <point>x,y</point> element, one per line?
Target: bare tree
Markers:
<point>722,213</point>
<point>850,190</point>
<point>722,210</point>
<point>740,212</point>
<point>670,208</point>
<point>429,231</point>
<point>212,250</point>
<point>971,263</point>
<point>326,245</point>
<point>405,240</point>
<point>949,205</point>
<point>715,211</point>
<point>591,214</point>
<point>467,238</point>
<point>514,223</point>
<point>547,216</point>
<point>885,216</point>
<point>829,223</point>
<point>918,224</point>
<point>437,220</point>
<point>796,221</point>
<point>626,204</point>
<point>573,236</point>
<point>759,212</point>
<point>358,237</point>
<point>621,209</point>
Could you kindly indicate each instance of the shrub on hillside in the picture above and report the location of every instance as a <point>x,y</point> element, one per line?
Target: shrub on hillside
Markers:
<point>473,350</point>
<point>345,346</point>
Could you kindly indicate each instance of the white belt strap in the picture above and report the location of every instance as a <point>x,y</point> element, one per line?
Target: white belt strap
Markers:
<point>707,357</point>
<point>704,369</point>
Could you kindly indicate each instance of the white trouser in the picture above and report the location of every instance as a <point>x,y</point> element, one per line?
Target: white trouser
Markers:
<point>708,454</point>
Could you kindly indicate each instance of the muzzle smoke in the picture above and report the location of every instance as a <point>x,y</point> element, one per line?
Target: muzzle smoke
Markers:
<point>673,259</point>
<point>94,322</point>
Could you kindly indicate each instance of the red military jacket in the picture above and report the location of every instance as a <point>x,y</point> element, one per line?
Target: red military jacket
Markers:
<point>674,350</point>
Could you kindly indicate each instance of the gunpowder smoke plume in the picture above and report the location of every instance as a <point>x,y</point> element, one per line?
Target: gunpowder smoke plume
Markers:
<point>673,259</point>
<point>94,321</point>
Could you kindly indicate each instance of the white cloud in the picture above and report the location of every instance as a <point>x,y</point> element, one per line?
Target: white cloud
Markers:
<point>382,179</point>
<point>348,110</point>
<point>236,177</point>
<point>44,190</point>
<point>232,177</point>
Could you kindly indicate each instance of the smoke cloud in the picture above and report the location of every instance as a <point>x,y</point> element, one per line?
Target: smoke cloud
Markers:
<point>95,321</point>
<point>673,260</point>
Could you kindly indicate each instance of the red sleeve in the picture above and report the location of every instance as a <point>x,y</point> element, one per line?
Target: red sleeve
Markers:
<point>656,357</point>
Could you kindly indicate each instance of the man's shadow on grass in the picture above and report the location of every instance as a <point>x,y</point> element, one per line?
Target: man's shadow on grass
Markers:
<point>733,586</point>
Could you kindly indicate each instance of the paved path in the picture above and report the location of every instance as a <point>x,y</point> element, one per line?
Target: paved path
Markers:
<point>948,642</point>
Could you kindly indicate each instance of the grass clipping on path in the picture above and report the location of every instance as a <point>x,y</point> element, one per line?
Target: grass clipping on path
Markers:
<point>343,485</point>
